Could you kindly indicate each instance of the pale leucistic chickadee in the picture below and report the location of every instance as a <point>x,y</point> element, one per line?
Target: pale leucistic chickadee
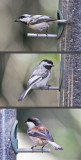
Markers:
<point>37,22</point>
<point>39,77</point>
<point>39,134</point>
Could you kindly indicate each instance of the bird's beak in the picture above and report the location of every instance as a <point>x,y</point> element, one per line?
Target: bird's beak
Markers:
<point>25,121</point>
<point>17,20</point>
<point>53,65</point>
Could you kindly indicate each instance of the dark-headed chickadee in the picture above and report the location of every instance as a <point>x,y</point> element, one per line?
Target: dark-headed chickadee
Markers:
<point>39,77</point>
<point>39,134</point>
<point>37,22</point>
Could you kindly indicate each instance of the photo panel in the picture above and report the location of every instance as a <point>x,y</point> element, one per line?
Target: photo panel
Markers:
<point>59,127</point>
<point>34,70</point>
<point>40,79</point>
<point>57,20</point>
<point>63,124</point>
<point>15,34</point>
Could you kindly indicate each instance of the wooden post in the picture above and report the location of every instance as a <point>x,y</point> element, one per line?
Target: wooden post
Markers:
<point>70,42</point>
<point>70,94</point>
<point>7,118</point>
<point>71,37</point>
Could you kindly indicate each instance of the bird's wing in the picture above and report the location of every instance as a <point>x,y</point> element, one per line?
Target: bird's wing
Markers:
<point>41,19</point>
<point>33,80</point>
<point>36,78</point>
<point>44,134</point>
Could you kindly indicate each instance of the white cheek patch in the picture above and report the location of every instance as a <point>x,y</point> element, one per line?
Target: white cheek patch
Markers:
<point>30,125</point>
<point>45,63</point>
<point>48,64</point>
<point>23,20</point>
<point>26,20</point>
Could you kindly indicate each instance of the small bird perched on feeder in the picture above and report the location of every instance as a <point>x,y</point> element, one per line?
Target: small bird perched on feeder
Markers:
<point>39,77</point>
<point>39,134</point>
<point>38,22</point>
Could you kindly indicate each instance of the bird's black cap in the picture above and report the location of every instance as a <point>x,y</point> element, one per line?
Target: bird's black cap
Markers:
<point>35,120</point>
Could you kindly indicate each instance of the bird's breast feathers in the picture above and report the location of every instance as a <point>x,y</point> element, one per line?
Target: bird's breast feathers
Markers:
<point>39,26</point>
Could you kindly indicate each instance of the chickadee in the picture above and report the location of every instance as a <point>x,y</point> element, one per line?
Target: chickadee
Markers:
<point>39,77</point>
<point>39,134</point>
<point>37,22</point>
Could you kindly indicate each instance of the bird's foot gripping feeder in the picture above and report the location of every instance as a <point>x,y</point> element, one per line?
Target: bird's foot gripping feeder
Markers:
<point>14,142</point>
<point>59,29</point>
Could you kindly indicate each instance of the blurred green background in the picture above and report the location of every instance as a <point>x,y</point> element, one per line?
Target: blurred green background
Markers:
<point>13,35</point>
<point>15,71</point>
<point>65,127</point>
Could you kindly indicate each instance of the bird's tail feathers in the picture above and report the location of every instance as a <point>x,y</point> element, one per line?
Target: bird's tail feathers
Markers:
<point>56,146</point>
<point>23,95</point>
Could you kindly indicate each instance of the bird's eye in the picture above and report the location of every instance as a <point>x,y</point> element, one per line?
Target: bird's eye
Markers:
<point>21,17</point>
